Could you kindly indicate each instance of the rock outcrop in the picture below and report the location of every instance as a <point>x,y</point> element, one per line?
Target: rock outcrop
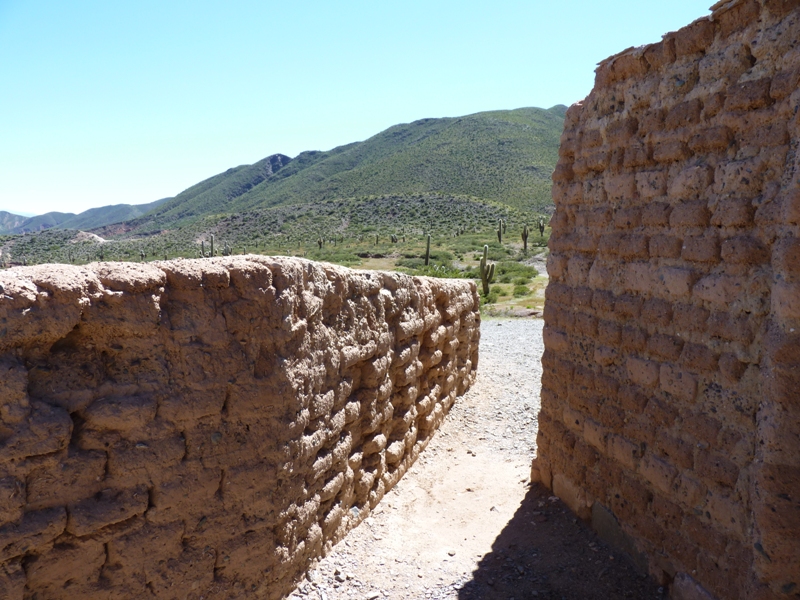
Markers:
<point>672,366</point>
<point>206,428</point>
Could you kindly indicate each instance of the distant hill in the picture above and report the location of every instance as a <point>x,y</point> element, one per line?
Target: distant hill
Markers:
<point>89,219</point>
<point>503,156</point>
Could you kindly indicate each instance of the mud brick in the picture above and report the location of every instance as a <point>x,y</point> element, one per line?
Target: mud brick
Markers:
<point>784,83</point>
<point>704,535</point>
<point>684,114</point>
<point>619,132</point>
<point>586,324</point>
<point>603,301</point>
<point>717,468</point>
<point>703,249</point>
<point>633,339</point>
<point>766,136</point>
<point>733,212</point>
<point>665,346</point>
<point>609,333</point>
<point>660,413</point>
<point>699,357</point>
<point>711,139</point>
<point>675,282</point>
<point>651,184</point>
<point>689,490</point>
<point>624,451</point>
<point>598,218</point>
<point>665,246</point>
<point>628,218</point>
<point>786,259</point>
<point>745,250</point>
<point>620,187</point>
<point>651,120</point>
<point>628,306</point>
<point>106,508</point>
<point>559,293</point>
<point>680,452</point>
<point>582,296</point>
<point>728,327</point>
<point>633,246</point>
<point>632,399</point>
<point>667,513</point>
<point>636,155</point>
<point>606,385</point>
<point>731,367</point>
<point>702,427</point>
<point>640,429</point>
<point>681,549</point>
<point>658,472</point>
<point>679,382</point>
<point>585,454</point>
<point>694,38</point>
<point>690,318</point>
<point>611,416</point>
<point>550,314</point>
<point>636,493</point>
<point>749,95</point>
<point>667,152</point>
<point>713,104</point>
<point>647,527</point>
<point>718,289</point>
<point>609,243</point>
<point>660,54</point>
<point>786,300</point>
<point>563,173</point>
<point>591,138</point>
<point>657,312</point>
<point>689,214</point>
<point>642,372</point>
<point>605,356</point>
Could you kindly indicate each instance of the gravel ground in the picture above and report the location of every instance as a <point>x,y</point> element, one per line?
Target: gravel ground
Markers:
<point>464,522</point>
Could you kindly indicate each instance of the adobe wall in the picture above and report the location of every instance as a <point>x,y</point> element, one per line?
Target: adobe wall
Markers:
<point>671,387</point>
<point>206,428</point>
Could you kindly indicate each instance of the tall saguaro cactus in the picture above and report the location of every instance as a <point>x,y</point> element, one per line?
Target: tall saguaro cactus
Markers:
<point>486,271</point>
<point>428,251</point>
<point>525,238</point>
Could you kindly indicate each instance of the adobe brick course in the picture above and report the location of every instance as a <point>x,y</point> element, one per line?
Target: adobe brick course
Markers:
<point>688,247</point>
<point>207,428</point>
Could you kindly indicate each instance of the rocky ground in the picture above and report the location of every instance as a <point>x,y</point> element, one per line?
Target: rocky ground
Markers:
<point>465,523</point>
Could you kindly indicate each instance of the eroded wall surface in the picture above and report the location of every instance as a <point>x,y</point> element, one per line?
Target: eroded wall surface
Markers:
<point>206,428</point>
<point>671,387</point>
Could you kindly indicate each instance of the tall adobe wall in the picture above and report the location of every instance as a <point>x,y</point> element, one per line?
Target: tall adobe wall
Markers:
<point>206,428</point>
<point>671,387</point>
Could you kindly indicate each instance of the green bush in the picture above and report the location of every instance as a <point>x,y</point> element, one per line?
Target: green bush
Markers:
<point>521,290</point>
<point>491,298</point>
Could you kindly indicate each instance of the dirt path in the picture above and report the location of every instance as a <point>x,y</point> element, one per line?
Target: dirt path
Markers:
<point>464,522</point>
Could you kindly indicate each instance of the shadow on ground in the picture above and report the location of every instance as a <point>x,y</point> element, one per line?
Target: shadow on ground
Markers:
<point>546,552</point>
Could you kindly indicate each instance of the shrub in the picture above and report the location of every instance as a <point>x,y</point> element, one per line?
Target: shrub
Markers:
<point>521,290</point>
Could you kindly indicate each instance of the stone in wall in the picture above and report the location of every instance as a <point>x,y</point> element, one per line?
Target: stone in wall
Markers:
<point>672,337</point>
<point>207,428</point>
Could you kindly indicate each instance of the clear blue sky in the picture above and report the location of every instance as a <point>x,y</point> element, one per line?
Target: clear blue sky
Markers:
<point>108,102</point>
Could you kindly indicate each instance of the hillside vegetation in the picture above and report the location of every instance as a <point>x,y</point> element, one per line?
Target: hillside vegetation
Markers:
<point>372,203</point>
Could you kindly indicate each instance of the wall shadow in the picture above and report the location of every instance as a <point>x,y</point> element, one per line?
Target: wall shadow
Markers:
<point>546,552</point>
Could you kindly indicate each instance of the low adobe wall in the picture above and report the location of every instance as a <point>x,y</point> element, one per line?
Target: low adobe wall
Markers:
<point>670,404</point>
<point>206,428</point>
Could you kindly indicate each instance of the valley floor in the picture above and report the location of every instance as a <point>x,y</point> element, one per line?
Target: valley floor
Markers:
<point>465,523</point>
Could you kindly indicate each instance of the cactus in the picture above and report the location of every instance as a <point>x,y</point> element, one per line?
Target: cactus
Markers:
<point>212,244</point>
<point>525,238</point>
<point>376,239</point>
<point>486,271</point>
<point>320,243</point>
<point>394,239</point>
<point>541,227</point>
<point>500,231</point>
<point>141,254</point>
<point>503,224</point>
<point>428,251</point>
<point>202,248</point>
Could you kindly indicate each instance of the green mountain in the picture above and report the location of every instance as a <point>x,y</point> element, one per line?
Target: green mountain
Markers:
<point>88,219</point>
<point>504,156</point>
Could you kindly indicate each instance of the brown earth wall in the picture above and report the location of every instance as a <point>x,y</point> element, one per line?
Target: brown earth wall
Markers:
<point>671,387</point>
<point>207,428</point>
